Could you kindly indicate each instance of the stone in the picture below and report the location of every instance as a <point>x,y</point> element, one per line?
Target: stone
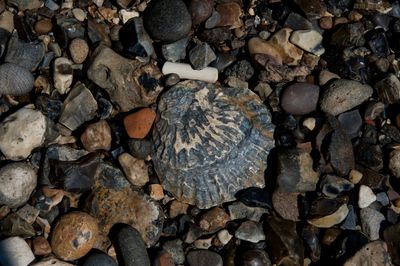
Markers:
<point>28,213</point>
<point>236,83</point>
<point>290,53</point>
<point>139,123</point>
<point>51,261</point>
<point>63,74</point>
<point>163,259</point>
<point>300,98</point>
<point>43,26</point>
<point>200,10</point>
<point>295,172</point>
<point>130,246</point>
<point>203,150</point>
<point>394,162</point>
<point>13,225</point>
<point>201,56</point>
<point>332,219</point>
<point>128,83</point>
<point>229,15</point>
<point>156,191</point>
<point>214,220</point>
<point>15,252</point>
<point>255,257</point>
<point>348,35</point>
<point>79,107</point>
<point>97,136</point>
<point>326,23</point>
<point>114,201</point>
<point>350,223</point>
<point>365,197</point>
<point>140,148</point>
<point>374,253</point>
<point>296,21</point>
<point>204,258</point>
<point>174,247</point>
<point>351,122</point>
<point>325,76</point>
<point>242,70</point>
<point>371,221</point>
<point>175,51</point>
<point>308,40</point>
<point>286,247</point>
<point>74,235</point>
<point>167,20</point>
<point>389,89</point>
<point>250,231</point>
<point>135,40</point>
<point>259,46</point>
<point>224,236</point>
<point>177,208</point>
<point>313,9</point>
<point>135,170</point>
<point>238,210</point>
<point>255,197</point>
<point>263,90</point>
<point>17,182</point>
<point>79,14</point>
<point>286,204</point>
<point>126,15</point>
<point>100,259</point>
<point>390,235</point>
<point>15,80</point>
<point>342,95</point>
<point>41,246</point>
<point>21,132</point>
<point>79,50</point>
<point>23,5</point>
<point>332,186</point>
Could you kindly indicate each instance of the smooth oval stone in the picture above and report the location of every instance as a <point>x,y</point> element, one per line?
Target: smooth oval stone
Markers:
<point>300,98</point>
<point>255,257</point>
<point>204,258</point>
<point>167,20</point>
<point>130,247</point>
<point>99,259</point>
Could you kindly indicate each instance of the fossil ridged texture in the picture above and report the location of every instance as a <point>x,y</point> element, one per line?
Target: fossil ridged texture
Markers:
<point>15,80</point>
<point>210,142</point>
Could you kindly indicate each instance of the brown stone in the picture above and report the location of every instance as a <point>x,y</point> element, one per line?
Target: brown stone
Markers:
<point>138,124</point>
<point>257,45</point>
<point>74,235</point>
<point>135,170</point>
<point>326,23</point>
<point>97,136</point>
<point>156,191</point>
<point>214,220</point>
<point>41,246</point>
<point>43,26</point>
<point>177,208</point>
<point>79,50</point>
<point>229,15</point>
<point>200,10</point>
<point>289,52</point>
<point>164,259</point>
<point>286,205</point>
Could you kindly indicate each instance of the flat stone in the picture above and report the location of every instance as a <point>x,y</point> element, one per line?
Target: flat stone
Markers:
<point>365,197</point>
<point>139,123</point>
<point>238,210</point>
<point>201,56</point>
<point>332,219</point>
<point>79,50</point>
<point>21,132</point>
<point>250,231</point>
<point>167,20</point>
<point>136,170</point>
<point>15,252</point>
<point>300,98</point>
<point>308,40</point>
<point>342,95</point>
<point>374,253</point>
<point>17,182</point>
<point>204,258</point>
<point>371,221</point>
<point>286,204</point>
<point>175,51</point>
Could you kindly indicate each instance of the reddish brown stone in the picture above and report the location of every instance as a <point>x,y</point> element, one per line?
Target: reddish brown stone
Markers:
<point>214,220</point>
<point>229,15</point>
<point>97,136</point>
<point>138,124</point>
<point>41,246</point>
<point>200,10</point>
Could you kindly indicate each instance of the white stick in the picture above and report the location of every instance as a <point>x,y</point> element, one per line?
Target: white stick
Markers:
<point>185,71</point>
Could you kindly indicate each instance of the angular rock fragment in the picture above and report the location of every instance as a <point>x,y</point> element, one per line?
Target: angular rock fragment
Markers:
<point>389,89</point>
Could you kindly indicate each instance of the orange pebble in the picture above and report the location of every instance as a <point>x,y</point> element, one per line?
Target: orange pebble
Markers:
<point>138,124</point>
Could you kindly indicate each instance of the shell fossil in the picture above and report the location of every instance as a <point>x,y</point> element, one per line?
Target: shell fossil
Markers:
<point>15,80</point>
<point>210,142</point>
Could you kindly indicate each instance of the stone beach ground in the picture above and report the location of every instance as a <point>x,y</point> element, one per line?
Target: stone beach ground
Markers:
<point>199,132</point>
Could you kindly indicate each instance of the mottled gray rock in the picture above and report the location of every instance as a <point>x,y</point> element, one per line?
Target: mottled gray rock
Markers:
<point>21,132</point>
<point>365,197</point>
<point>175,51</point>
<point>130,247</point>
<point>128,83</point>
<point>204,258</point>
<point>101,259</point>
<point>210,142</point>
<point>342,95</point>
<point>201,56</point>
<point>371,222</point>
<point>14,251</point>
<point>15,80</point>
<point>250,231</point>
<point>238,210</point>
<point>175,248</point>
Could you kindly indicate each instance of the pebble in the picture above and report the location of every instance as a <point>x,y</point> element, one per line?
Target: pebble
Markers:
<point>23,5</point>
<point>224,236</point>
<point>17,182</point>
<point>300,98</point>
<point>332,219</point>
<point>51,261</point>
<point>325,76</point>
<point>40,246</point>
<point>308,40</point>
<point>201,56</point>
<point>255,197</point>
<point>390,235</point>
<point>373,253</point>
<point>286,204</point>
<point>238,210</point>
<point>99,259</point>
<point>167,20</point>
<point>295,172</point>
<point>130,247</point>
<point>342,95</point>
<point>136,170</point>
<point>204,258</point>
<point>79,14</point>
<point>355,176</point>
<point>74,235</point>
<point>290,53</point>
<point>63,74</point>
<point>138,124</point>
<point>389,89</point>
<point>332,185</point>
<point>351,122</point>
<point>79,50</point>
<point>365,197</point>
<point>250,231</point>
<point>15,252</point>
<point>350,223</point>
<point>175,248</point>
<point>43,26</point>
<point>326,23</point>
<point>229,15</point>
<point>259,46</point>
<point>126,15</point>
<point>175,51</point>
<point>163,259</point>
<point>7,21</point>
<point>156,191</point>
<point>214,220</point>
<point>22,132</point>
<point>97,136</point>
<point>28,213</point>
<point>200,10</point>
<point>371,221</point>
<point>394,162</point>
<point>13,225</point>
<point>255,257</point>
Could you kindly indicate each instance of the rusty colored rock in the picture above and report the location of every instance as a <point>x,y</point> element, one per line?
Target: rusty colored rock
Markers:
<point>138,124</point>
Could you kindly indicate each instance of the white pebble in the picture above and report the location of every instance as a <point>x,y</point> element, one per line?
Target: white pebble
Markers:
<point>63,74</point>
<point>126,15</point>
<point>365,197</point>
<point>14,251</point>
<point>224,237</point>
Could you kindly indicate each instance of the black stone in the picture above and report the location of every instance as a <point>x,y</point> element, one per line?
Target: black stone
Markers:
<point>99,259</point>
<point>255,257</point>
<point>241,70</point>
<point>255,197</point>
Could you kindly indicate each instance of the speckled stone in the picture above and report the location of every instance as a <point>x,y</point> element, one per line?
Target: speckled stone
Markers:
<point>189,150</point>
<point>300,98</point>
